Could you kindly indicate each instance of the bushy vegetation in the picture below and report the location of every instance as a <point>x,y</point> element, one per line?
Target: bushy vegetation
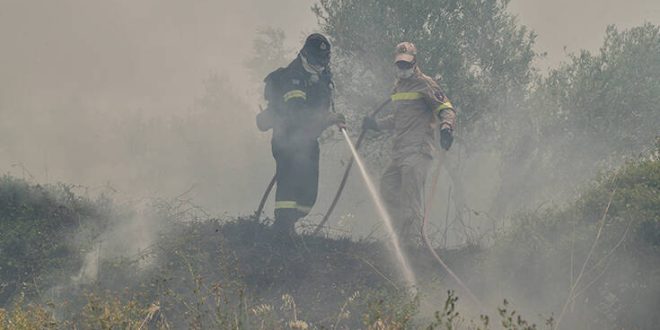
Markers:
<point>44,232</point>
<point>591,114</point>
<point>202,273</point>
<point>594,263</point>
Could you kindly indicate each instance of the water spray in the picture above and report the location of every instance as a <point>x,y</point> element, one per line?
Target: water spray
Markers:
<point>344,178</point>
<point>384,215</point>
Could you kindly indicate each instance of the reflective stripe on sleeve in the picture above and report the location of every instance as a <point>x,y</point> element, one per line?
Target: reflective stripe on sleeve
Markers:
<point>446,105</point>
<point>286,205</point>
<point>407,96</point>
<point>296,93</point>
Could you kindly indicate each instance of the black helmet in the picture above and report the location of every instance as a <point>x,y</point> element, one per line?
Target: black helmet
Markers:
<point>317,50</point>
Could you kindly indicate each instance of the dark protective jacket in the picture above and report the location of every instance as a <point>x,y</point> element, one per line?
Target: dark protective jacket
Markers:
<point>300,105</point>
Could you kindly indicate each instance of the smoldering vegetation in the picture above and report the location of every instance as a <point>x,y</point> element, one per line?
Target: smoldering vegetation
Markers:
<point>548,199</point>
<point>593,263</point>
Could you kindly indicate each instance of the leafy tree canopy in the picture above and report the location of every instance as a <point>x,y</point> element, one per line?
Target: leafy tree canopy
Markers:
<point>476,46</point>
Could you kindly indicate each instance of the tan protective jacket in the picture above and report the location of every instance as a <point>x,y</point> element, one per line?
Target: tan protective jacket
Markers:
<point>419,108</point>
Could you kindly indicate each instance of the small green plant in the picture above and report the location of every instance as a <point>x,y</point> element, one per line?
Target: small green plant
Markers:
<point>446,319</point>
<point>512,320</point>
<point>28,317</point>
<point>392,310</point>
<point>111,313</point>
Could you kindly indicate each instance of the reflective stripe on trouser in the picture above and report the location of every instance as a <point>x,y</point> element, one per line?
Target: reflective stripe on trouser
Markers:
<point>292,205</point>
<point>402,188</point>
<point>297,179</point>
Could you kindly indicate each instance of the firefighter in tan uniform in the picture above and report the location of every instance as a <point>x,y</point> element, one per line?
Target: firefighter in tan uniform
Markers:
<point>421,116</point>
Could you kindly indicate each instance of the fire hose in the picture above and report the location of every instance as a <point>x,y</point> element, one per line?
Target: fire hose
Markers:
<point>262,203</point>
<point>340,189</point>
<point>427,242</point>
<point>347,171</point>
<point>271,184</point>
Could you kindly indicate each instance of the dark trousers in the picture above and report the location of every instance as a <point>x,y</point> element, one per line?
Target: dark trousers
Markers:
<point>297,182</point>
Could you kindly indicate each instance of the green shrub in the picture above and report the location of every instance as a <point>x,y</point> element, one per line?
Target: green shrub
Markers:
<point>39,233</point>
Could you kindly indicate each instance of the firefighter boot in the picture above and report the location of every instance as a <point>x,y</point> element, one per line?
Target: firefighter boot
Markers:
<point>285,222</point>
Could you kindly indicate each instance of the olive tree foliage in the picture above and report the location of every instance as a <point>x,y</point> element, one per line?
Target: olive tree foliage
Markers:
<point>590,114</point>
<point>546,132</point>
<point>596,110</point>
<point>610,100</point>
<point>481,56</point>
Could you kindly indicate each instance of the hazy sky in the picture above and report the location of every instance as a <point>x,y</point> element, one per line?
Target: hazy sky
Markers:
<point>154,53</point>
<point>144,54</point>
<point>580,24</point>
<point>105,59</point>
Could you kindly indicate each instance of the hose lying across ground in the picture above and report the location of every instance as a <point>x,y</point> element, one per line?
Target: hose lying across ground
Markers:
<point>427,242</point>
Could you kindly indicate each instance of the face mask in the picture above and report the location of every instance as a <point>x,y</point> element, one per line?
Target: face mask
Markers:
<point>405,74</point>
<point>313,69</point>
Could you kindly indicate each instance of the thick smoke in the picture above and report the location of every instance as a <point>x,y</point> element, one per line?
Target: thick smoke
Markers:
<point>152,99</point>
<point>149,98</point>
<point>143,101</point>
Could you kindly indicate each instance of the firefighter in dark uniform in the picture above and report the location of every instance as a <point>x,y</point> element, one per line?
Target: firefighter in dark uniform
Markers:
<point>299,109</point>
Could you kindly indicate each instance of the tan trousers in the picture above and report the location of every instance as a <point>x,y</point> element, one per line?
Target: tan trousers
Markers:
<point>402,188</point>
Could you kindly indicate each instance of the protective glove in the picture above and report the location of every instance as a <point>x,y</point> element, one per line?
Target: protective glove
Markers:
<point>338,119</point>
<point>265,120</point>
<point>369,122</point>
<point>446,137</point>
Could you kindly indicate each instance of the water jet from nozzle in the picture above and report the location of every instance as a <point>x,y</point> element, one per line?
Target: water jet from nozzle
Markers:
<point>384,215</point>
